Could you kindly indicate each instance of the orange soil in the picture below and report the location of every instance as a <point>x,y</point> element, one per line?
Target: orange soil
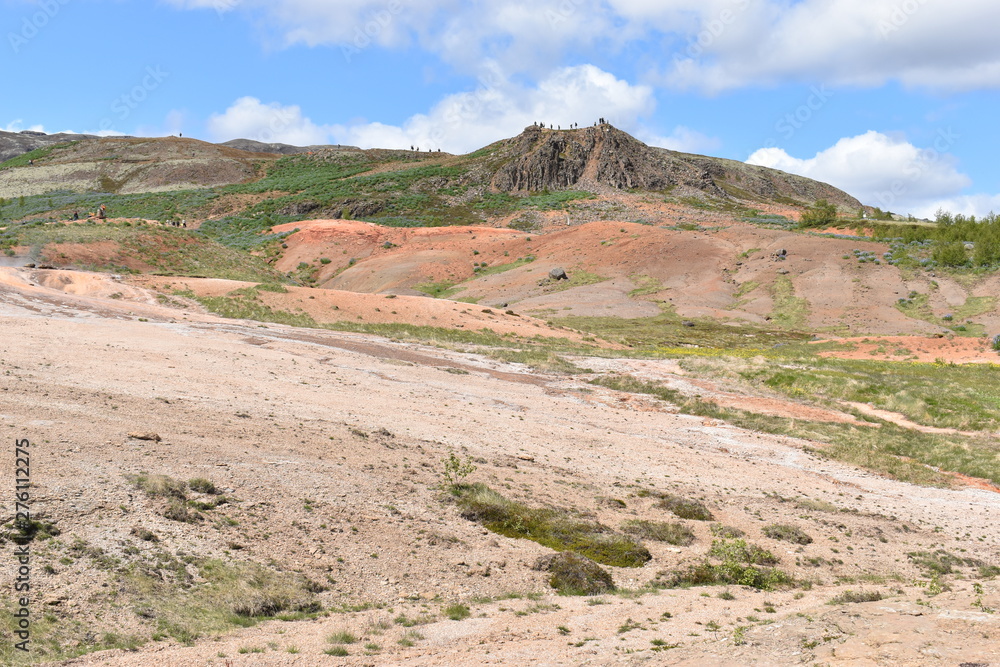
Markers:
<point>917,348</point>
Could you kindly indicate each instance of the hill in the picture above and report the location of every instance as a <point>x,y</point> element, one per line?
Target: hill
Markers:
<point>405,186</point>
<point>15,144</point>
<point>566,396</point>
<point>588,158</point>
<point>127,165</point>
<point>253,146</point>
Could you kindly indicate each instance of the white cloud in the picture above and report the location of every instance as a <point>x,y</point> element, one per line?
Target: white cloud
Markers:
<point>849,42</point>
<point>466,121</point>
<point>173,125</point>
<point>707,45</point>
<point>18,125</point>
<point>500,108</point>
<point>249,118</point>
<point>522,36</point>
<point>977,204</point>
<point>683,139</point>
<point>880,170</point>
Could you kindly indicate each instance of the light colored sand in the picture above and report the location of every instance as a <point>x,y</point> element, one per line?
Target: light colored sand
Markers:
<point>281,415</point>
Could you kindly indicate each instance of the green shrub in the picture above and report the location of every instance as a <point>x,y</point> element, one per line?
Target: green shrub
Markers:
<point>950,254</point>
<point>202,485</point>
<point>672,533</point>
<point>572,574</point>
<point>727,532</point>
<point>740,566</point>
<point>161,486</point>
<point>787,533</point>
<point>684,508</point>
<point>178,511</point>
<point>457,612</point>
<point>557,529</point>
<point>821,214</point>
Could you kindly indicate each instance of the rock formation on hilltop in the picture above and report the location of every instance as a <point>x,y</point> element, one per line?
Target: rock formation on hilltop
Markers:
<point>604,156</point>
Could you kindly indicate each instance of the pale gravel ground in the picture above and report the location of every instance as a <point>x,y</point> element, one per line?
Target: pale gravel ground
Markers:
<point>79,372</point>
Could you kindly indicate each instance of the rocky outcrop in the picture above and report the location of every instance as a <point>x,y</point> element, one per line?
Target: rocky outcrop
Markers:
<point>604,156</point>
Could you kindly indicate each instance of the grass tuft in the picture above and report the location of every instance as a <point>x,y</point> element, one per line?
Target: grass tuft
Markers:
<point>672,533</point>
<point>685,508</point>
<point>557,529</point>
<point>853,597</point>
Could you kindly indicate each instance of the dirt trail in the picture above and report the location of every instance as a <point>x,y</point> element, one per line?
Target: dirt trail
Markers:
<point>901,420</point>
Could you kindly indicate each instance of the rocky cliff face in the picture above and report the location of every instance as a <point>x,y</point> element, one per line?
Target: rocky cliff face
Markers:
<point>604,156</point>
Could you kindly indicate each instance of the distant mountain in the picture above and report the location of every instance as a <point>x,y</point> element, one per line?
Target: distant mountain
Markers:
<point>13,144</point>
<point>279,149</point>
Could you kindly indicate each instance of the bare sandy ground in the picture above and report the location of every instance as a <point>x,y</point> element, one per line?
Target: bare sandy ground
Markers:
<point>918,348</point>
<point>359,426</point>
<point>724,269</point>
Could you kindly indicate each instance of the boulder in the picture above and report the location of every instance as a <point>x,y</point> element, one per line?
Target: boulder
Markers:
<point>558,273</point>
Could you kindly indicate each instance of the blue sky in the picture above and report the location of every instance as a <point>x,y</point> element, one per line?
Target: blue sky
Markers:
<point>894,101</point>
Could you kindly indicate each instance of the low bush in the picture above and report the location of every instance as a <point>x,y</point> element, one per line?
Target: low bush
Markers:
<point>740,565</point>
<point>202,485</point>
<point>557,529</point>
<point>684,508</point>
<point>160,486</point>
<point>672,533</point>
<point>457,612</point>
<point>572,574</point>
<point>787,534</point>
<point>850,597</point>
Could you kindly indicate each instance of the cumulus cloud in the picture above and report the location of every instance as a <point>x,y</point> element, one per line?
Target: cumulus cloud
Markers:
<point>683,139</point>
<point>976,204</point>
<point>707,45</point>
<point>18,125</point>
<point>499,108</point>
<point>173,124</point>
<point>249,118</point>
<point>465,121</point>
<point>523,36</point>
<point>850,42</point>
<point>880,170</point>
